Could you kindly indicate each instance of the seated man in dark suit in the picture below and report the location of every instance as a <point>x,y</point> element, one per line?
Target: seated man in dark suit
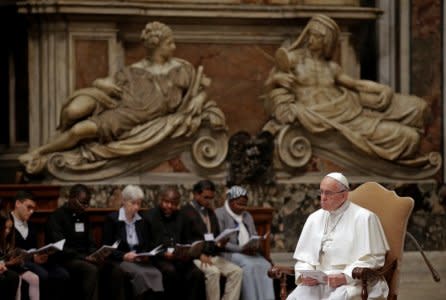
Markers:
<point>52,277</point>
<point>182,279</point>
<point>70,222</point>
<point>200,222</point>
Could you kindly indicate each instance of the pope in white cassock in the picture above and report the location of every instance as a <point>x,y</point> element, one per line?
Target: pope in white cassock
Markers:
<point>336,239</point>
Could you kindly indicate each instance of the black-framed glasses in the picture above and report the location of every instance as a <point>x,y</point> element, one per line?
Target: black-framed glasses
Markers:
<point>329,193</point>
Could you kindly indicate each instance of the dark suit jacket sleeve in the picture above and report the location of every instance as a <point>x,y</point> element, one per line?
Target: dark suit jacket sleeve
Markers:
<point>54,231</point>
<point>111,234</point>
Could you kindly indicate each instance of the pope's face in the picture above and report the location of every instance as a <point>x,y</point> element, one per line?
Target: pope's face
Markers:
<point>333,195</point>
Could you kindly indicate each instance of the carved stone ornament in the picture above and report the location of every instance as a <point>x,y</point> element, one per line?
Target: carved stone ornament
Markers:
<point>316,108</point>
<point>250,159</point>
<point>145,114</point>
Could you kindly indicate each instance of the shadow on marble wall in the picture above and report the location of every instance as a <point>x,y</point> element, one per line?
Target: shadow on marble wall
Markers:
<point>294,202</point>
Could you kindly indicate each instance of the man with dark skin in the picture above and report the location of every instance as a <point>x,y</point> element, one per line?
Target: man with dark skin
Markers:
<point>181,278</point>
<point>70,222</point>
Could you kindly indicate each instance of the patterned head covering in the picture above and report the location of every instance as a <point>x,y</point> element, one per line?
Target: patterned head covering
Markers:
<point>236,192</point>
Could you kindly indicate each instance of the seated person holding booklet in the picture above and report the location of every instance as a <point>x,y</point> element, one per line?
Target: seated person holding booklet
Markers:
<point>200,222</point>
<point>52,277</point>
<point>242,248</point>
<point>11,261</point>
<point>335,239</point>
<point>181,278</point>
<point>70,222</point>
<point>127,226</point>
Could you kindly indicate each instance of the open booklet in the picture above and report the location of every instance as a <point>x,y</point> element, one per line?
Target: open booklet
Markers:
<point>153,252</point>
<point>254,241</point>
<point>48,249</point>
<point>193,250</point>
<point>226,233</point>
<point>320,276</point>
<point>104,251</point>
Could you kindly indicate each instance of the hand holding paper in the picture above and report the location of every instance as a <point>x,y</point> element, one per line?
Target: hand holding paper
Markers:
<point>48,249</point>
<point>226,234</point>
<point>153,252</point>
<point>319,276</point>
<point>102,252</point>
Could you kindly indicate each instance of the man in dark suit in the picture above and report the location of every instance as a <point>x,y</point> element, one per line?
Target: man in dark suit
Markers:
<point>181,278</point>
<point>71,223</point>
<point>200,222</point>
<point>52,277</point>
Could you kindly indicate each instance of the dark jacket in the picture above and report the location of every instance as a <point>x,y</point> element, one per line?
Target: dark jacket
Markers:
<point>167,231</point>
<point>195,228</point>
<point>114,230</point>
<point>30,241</point>
<point>61,225</point>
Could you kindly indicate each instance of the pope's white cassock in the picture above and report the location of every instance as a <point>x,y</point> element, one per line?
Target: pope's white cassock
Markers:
<point>337,242</point>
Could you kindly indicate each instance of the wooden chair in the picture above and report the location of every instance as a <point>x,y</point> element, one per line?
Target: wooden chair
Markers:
<point>393,212</point>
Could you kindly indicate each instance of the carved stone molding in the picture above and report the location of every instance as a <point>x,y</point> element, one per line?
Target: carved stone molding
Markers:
<point>196,10</point>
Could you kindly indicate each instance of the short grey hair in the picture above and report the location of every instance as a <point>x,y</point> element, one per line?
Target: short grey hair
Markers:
<point>132,193</point>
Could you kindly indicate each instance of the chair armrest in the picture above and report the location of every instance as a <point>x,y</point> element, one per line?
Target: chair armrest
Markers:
<point>281,273</point>
<point>366,274</point>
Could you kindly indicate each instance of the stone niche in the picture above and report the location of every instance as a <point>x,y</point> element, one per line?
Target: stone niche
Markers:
<point>73,42</point>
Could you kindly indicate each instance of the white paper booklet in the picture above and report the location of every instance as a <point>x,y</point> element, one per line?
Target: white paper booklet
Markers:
<point>226,233</point>
<point>153,252</point>
<point>104,251</point>
<point>254,241</point>
<point>48,249</point>
<point>320,276</point>
<point>192,250</point>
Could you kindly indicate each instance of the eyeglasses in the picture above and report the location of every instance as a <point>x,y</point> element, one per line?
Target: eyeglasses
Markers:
<point>329,193</point>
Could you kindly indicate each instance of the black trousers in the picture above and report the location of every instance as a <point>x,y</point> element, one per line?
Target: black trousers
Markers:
<point>9,282</point>
<point>181,280</point>
<point>84,279</point>
<point>53,280</point>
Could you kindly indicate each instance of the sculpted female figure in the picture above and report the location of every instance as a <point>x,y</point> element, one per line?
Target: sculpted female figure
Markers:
<point>157,97</point>
<point>309,89</point>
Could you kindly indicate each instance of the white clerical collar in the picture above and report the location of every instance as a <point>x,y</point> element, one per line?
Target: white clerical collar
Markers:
<point>122,217</point>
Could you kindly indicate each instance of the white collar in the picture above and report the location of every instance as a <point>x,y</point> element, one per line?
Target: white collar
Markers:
<point>17,221</point>
<point>122,217</point>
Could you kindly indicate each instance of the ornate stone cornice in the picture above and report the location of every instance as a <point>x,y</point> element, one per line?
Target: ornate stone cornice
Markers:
<point>194,10</point>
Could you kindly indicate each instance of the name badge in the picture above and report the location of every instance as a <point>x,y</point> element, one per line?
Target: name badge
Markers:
<point>208,237</point>
<point>79,227</point>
